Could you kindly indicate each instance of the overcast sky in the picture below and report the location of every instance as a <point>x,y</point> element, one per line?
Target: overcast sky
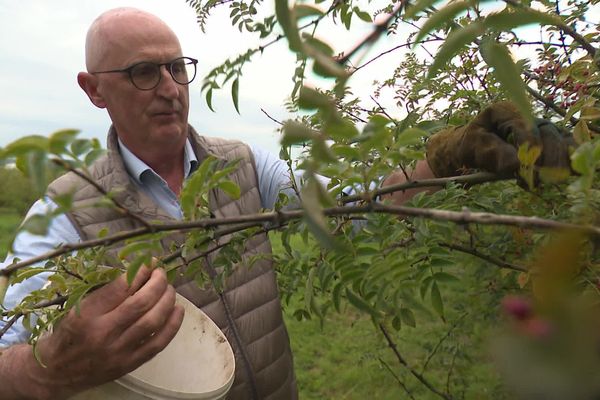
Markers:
<point>42,49</point>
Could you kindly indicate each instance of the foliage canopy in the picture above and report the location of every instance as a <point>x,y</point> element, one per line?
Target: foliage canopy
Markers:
<point>454,254</point>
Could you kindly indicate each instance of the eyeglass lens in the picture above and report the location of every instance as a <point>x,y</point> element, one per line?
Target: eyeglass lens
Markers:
<point>146,75</point>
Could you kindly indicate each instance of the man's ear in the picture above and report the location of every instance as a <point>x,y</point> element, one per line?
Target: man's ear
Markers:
<point>89,83</point>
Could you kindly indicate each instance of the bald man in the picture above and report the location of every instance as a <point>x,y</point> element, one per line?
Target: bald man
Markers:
<point>137,72</point>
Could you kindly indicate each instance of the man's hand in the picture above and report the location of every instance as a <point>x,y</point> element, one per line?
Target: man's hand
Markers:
<point>491,141</point>
<point>118,328</point>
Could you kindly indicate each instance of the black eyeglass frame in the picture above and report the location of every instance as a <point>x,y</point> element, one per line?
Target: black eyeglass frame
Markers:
<point>169,65</point>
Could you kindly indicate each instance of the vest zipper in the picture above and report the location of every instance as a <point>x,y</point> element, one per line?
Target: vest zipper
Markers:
<point>236,335</point>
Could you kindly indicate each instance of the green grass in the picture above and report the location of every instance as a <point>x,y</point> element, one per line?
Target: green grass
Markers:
<point>9,221</point>
<point>340,360</point>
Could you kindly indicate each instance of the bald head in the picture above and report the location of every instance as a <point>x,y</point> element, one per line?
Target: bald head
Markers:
<point>121,30</point>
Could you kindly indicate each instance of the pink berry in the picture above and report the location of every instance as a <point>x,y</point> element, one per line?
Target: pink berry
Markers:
<point>517,307</point>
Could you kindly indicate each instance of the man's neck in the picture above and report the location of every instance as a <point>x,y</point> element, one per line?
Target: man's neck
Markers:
<point>171,170</point>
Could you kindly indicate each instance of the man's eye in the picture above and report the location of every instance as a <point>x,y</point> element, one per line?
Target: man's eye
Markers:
<point>178,67</point>
<point>144,70</point>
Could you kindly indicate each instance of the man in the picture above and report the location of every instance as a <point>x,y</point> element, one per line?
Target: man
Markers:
<point>135,71</point>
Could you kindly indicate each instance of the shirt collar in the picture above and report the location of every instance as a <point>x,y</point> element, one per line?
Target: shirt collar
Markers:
<point>136,167</point>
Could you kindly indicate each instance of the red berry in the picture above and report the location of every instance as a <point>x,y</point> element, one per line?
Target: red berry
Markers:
<point>537,327</point>
<point>517,307</point>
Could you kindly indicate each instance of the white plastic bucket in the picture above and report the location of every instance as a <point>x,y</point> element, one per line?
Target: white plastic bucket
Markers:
<point>198,364</point>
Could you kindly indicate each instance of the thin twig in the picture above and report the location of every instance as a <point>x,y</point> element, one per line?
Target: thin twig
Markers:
<point>407,44</point>
<point>121,209</point>
<point>441,341</point>
<point>490,259</point>
<point>378,30</point>
<point>9,323</point>
<point>472,179</point>
<point>414,372</point>
<point>567,29</point>
<point>391,371</point>
<point>271,118</point>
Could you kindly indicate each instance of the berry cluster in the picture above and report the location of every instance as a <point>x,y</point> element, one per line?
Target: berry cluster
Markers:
<point>524,319</point>
<point>566,91</point>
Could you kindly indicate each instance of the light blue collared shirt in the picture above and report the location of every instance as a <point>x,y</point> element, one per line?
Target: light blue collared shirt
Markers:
<point>273,177</point>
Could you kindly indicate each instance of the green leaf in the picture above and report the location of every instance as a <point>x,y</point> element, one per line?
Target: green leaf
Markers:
<point>456,40</point>
<point>3,287</point>
<point>436,300</point>
<point>362,15</point>
<point>507,20</point>
<point>235,89</point>
<point>312,99</point>
<point>445,277</point>
<point>37,224</point>
<point>418,7</point>
<point>76,295</point>
<point>496,55</point>
<point>440,17</point>
<point>425,285</point>
<point>58,141</point>
<point>26,144</point>
<point>581,132</point>
<point>135,247</point>
<point>134,267</point>
<point>324,65</point>
<point>321,152</point>
<point>318,45</point>
<point>26,273</point>
<point>408,317</point>
<point>80,146</point>
<point>336,295</point>
<point>411,136</point>
<point>93,156</point>
<point>361,304</point>
<point>209,94</point>
<point>306,10</point>
<point>313,215</point>
<point>287,20</point>
<point>296,132</point>
<point>396,323</point>
<point>230,188</point>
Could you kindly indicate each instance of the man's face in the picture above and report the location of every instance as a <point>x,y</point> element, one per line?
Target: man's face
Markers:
<point>147,121</point>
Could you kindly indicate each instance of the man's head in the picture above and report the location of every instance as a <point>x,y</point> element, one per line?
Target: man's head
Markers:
<point>149,122</point>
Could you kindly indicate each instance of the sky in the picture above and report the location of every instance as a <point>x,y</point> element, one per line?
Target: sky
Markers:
<point>42,50</point>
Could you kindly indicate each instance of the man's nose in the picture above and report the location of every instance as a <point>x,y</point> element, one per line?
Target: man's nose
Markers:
<point>167,87</point>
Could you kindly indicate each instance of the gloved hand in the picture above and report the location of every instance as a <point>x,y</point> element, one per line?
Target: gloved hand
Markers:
<point>491,141</point>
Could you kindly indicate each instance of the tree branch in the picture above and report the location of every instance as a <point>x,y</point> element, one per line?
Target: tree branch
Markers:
<point>472,179</point>
<point>280,217</point>
<point>118,206</point>
<point>414,372</point>
<point>567,29</point>
<point>491,260</point>
<point>441,341</point>
<point>391,371</point>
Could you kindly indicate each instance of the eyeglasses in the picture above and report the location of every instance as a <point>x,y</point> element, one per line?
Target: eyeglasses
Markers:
<point>146,75</point>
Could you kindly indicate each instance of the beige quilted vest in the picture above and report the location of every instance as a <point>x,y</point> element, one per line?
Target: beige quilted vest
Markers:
<point>249,310</point>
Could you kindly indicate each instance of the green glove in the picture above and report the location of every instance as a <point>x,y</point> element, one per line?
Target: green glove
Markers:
<point>490,142</point>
